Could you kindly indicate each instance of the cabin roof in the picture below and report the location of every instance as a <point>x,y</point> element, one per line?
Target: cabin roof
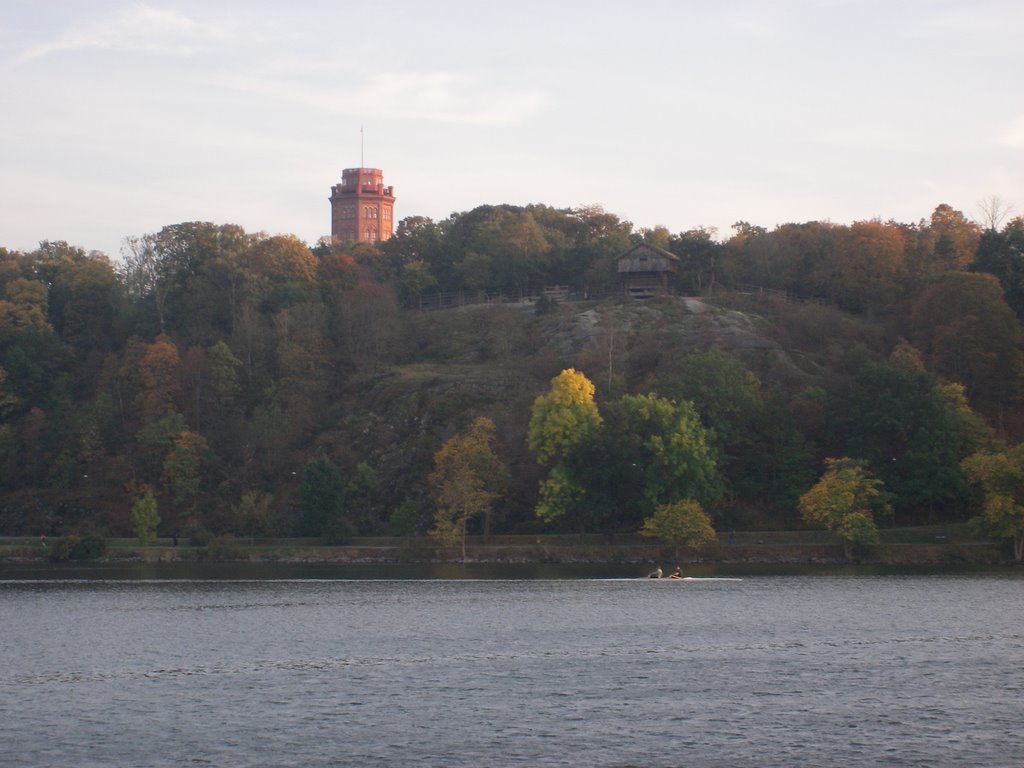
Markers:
<point>646,249</point>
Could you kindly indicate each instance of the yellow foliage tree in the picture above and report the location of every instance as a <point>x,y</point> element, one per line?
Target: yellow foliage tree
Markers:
<point>562,420</point>
<point>1001,477</point>
<point>465,482</point>
<point>845,501</point>
<point>681,524</point>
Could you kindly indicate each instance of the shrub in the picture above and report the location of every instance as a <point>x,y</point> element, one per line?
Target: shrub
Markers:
<point>89,547</point>
<point>337,532</point>
<point>60,549</point>
<point>198,534</point>
<point>223,548</point>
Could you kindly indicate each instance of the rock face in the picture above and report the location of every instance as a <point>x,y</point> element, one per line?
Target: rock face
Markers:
<point>681,326</point>
<point>727,328</point>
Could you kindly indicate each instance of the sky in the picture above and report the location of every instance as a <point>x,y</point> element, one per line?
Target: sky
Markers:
<point>122,117</point>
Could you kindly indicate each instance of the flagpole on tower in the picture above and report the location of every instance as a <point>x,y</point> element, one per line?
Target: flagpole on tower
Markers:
<point>362,159</point>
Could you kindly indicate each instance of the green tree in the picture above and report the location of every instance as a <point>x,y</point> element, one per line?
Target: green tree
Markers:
<point>414,281</point>
<point>224,383</point>
<point>731,405</point>
<point>191,273</point>
<point>361,491</point>
<point>913,431</point>
<point>145,518</point>
<point>1001,477</point>
<point>405,518</point>
<point>88,304</point>
<point>1002,254</point>
<point>465,482</point>
<point>680,524</point>
<point>155,441</point>
<point>252,512</point>
<point>559,493</point>
<point>658,236</point>
<point>674,458</point>
<point>846,500</point>
<point>698,254</point>
<point>183,469</point>
<point>322,495</point>
<point>419,240</point>
<point>518,245</point>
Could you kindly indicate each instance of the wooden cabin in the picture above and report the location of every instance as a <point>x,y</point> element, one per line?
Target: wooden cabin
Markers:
<point>646,270</point>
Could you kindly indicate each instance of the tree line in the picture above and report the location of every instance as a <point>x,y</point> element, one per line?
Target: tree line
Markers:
<point>214,380</point>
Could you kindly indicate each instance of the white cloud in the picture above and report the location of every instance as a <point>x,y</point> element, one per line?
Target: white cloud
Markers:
<point>139,28</point>
<point>437,96</point>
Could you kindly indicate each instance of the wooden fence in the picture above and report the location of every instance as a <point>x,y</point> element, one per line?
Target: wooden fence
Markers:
<point>780,295</point>
<point>454,299</point>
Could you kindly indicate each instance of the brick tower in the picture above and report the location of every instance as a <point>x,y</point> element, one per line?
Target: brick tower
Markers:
<point>362,208</point>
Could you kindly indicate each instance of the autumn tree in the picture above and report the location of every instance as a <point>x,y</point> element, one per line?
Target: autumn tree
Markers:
<point>680,524</point>
<point>658,236</point>
<point>564,417</point>
<point>953,240</point>
<point>23,308</point>
<point>562,420</point>
<point>967,333</point>
<point>1000,475</point>
<point>366,325</point>
<point>465,482</point>
<point>159,375</point>
<point>846,500</point>
<point>252,513</point>
<point>283,271</point>
<point>867,266</point>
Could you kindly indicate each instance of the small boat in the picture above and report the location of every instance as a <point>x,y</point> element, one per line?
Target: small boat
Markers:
<point>677,575</point>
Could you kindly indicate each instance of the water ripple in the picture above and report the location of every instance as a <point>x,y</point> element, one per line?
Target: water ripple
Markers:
<point>51,677</point>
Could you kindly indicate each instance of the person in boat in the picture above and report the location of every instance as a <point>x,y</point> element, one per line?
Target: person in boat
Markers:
<point>655,574</point>
<point>677,573</point>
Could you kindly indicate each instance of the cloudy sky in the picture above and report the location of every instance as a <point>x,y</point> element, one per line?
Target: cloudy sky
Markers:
<point>120,117</point>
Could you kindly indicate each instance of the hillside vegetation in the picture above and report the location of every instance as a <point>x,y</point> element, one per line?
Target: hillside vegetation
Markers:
<point>254,385</point>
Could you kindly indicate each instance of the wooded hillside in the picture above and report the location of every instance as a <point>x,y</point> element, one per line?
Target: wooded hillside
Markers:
<point>253,383</point>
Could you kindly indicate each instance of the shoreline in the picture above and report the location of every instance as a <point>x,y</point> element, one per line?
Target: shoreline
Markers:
<point>899,547</point>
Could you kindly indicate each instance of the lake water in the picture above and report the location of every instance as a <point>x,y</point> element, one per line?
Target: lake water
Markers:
<point>794,670</point>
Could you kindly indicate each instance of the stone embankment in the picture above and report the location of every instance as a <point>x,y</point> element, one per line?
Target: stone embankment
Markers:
<point>794,548</point>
